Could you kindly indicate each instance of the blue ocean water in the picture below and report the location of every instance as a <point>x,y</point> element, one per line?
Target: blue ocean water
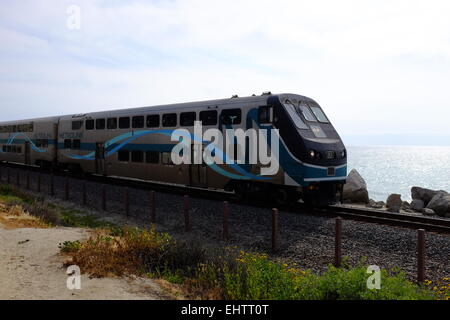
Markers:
<point>395,169</point>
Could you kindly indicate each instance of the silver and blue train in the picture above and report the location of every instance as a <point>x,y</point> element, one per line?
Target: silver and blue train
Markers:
<point>136,143</point>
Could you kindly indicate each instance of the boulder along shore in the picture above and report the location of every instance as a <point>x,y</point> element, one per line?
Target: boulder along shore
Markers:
<point>424,201</point>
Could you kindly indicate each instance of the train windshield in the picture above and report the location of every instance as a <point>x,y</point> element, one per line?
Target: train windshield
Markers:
<point>295,116</point>
<point>307,112</point>
<point>319,114</point>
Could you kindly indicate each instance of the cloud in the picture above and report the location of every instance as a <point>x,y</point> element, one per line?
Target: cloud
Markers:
<point>376,67</point>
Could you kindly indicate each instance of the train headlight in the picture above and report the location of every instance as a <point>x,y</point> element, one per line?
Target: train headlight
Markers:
<point>312,153</point>
<point>343,153</point>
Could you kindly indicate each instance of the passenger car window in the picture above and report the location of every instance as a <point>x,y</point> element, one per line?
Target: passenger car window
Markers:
<point>76,144</point>
<point>208,118</point>
<point>67,144</point>
<point>124,123</point>
<point>100,124</point>
<point>153,121</point>
<point>90,124</point>
<point>187,119</point>
<point>152,157</point>
<point>138,122</point>
<point>77,125</point>
<point>123,155</point>
<point>167,158</point>
<point>137,156</point>
<point>231,116</point>
<point>169,120</point>
<point>111,123</point>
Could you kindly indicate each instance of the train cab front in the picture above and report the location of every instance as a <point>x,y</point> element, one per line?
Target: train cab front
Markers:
<point>316,158</point>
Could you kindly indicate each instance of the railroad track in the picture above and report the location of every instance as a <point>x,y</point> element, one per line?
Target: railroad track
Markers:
<point>367,215</point>
<point>389,218</point>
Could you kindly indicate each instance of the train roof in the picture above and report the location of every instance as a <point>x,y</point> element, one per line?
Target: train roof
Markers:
<point>189,105</point>
<point>169,107</point>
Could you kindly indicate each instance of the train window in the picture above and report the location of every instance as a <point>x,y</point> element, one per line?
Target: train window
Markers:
<point>231,116</point>
<point>90,124</point>
<point>167,158</point>
<point>42,143</point>
<point>13,149</point>
<point>8,149</point>
<point>111,123</point>
<point>208,118</point>
<point>19,149</point>
<point>76,144</point>
<point>319,114</point>
<point>124,123</point>
<point>67,144</point>
<point>4,148</point>
<point>100,124</point>
<point>307,113</point>
<point>187,119</point>
<point>265,114</point>
<point>153,121</point>
<point>77,125</point>
<point>290,108</point>
<point>138,122</point>
<point>169,120</point>
<point>152,157</point>
<point>124,155</point>
<point>137,156</point>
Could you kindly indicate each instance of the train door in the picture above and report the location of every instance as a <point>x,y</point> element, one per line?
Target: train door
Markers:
<point>26,151</point>
<point>100,158</point>
<point>198,172</point>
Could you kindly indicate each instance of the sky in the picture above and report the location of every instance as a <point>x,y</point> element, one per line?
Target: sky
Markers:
<point>380,69</point>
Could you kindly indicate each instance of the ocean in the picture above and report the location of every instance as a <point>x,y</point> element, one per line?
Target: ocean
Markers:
<point>395,169</point>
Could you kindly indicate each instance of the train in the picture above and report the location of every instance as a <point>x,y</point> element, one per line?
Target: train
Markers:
<point>138,143</point>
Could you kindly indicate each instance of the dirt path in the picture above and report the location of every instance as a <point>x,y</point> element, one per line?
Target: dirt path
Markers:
<point>30,268</point>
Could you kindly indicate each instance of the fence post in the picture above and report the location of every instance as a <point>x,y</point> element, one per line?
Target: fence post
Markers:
<point>39,183</point>
<point>8,176</point>
<point>18,178</point>
<point>103,197</point>
<point>83,193</point>
<point>66,189</point>
<point>28,180</point>
<point>338,243</point>
<point>421,269</point>
<point>52,185</point>
<point>152,207</point>
<point>187,220</point>
<point>127,201</point>
<point>226,213</point>
<point>275,230</point>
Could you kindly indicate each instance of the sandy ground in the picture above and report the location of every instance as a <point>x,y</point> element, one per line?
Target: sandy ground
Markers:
<point>31,268</point>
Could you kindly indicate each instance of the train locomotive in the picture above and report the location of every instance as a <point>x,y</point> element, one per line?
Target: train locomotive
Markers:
<point>138,143</point>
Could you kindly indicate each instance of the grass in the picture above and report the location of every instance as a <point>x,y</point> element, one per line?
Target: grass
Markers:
<point>206,274</point>
<point>50,213</point>
<point>231,275</point>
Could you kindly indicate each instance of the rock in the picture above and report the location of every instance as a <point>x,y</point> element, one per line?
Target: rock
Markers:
<point>355,190</point>
<point>375,204</point>
<point>394,202</point>
<point>423,194</point>
<point>417,205</point>
<point>440,203</point>
<point>406,205</point>
<point>428,212</point>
